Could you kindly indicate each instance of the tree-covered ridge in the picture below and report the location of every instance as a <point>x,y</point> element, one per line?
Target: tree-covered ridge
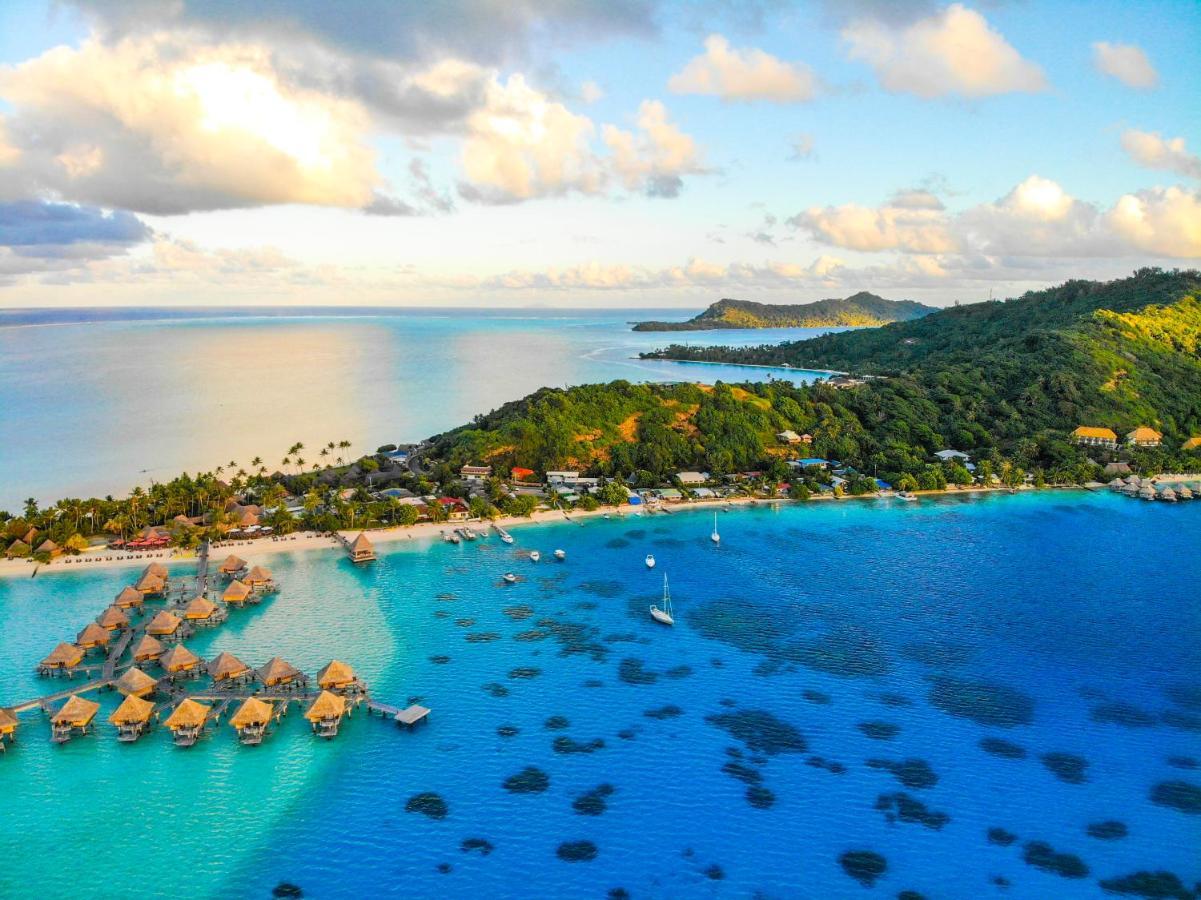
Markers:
<point>862,309</point>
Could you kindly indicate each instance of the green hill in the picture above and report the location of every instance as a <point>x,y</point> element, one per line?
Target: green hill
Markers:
<point>862,309</point>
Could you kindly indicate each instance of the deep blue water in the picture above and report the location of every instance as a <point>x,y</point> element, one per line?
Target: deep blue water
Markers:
<point>1058,622</point>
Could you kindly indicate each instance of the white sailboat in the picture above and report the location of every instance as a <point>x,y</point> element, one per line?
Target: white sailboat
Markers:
<point>715,537</point>
<point>650,561</point>
<point>663,616</point>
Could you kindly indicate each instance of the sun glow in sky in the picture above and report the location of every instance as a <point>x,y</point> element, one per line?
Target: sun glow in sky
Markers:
<point>590,154</point>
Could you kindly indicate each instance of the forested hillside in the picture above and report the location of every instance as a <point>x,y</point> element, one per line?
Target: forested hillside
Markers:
<point>862,309</point>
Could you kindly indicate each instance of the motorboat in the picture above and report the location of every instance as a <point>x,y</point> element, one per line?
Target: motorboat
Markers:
<point>509,578</point>
<point>535,556</point>
<point>560,555</point>
<point>650,561</point>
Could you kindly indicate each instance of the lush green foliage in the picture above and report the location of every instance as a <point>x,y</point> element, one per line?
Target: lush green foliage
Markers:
<point>860,309</point>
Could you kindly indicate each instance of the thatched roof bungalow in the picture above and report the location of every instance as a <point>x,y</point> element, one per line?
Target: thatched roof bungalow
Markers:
<point>236,593</point>
<point>251,720</point>
<point>326,714</point>
<point>187,721</point>
<point>361,549</point>
<point>48,546</point>
<point>129,598</point>
<point>337,675</point>
<point>164,624</point>
<point>279,672</point>
<point>93,636</point>
<point>131,718</point>
<point>77,712</point>
<point>150,584</point>
<point>179,659</point>
<point>231,565</point>
<point>227,667</point>
<point>258,577</point>
<point>8,724</point>
<point>64,656</point>
<point>156,568</point>
<point>200,609</point>
<point>113,619</point>
<point>18,549</point>
<point>136,683</point>
<point>148,648</point>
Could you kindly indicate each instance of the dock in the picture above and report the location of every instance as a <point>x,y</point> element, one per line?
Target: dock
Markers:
<point>408,717</point>
<point>504,535</point>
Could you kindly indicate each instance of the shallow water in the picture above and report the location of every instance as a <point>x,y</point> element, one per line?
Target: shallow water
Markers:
<point>953,620</point>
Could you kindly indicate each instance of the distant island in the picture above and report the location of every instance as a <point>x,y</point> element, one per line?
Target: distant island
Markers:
<point>858,310</point>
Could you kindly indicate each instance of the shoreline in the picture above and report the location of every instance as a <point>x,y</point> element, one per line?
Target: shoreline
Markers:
<point>714,362</point>
<point>95,560</point>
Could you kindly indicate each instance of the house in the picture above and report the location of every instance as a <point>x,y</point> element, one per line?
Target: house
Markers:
<point>692,477</point>
<point>669,494</point>
<point>809,461</point>
<point>788,437</point>
<point>475,473</point>
<point>456,509</point>
<point>1144,437</point>
<point>1193,443</point>
<point>49,547</point>
<point>1091,436</point>
<point>845,381</point>
<point>704,493</point>
<point>518,473</point>
<point>564,477</point>
<point>947,455</point>
<point>1117,468</point>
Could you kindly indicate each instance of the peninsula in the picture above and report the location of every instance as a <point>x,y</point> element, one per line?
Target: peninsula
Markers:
<point>858,310</point>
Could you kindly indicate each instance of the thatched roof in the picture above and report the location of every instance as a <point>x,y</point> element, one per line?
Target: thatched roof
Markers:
<point>361,544</point>
<point>178,658</point>
<point>189,714</point>
<point>132,711</point>
<point>147,647</point>
<point>93,635</point>
<point>135,682</point>
<point>47,546</point>
<point>231,564</point>
<point>336,674</point>
<point>129,596</point>
<point>163,623</point>
<point>199,608</point>
<point>237,592</point>
<point>8,722</point>
<point>257,575</point>
<point>326,706</point>
<point>112,618</point>
<point>226,665</point>
<point>156,569</point>
<point>17,548</point>
<point>150,583</point>
<point>76,712</point>
<point>278,671</point>
<point>64,655</point>
<point>252,712</point>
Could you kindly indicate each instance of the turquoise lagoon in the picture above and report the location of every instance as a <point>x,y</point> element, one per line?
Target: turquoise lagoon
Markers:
<point>834,670</point>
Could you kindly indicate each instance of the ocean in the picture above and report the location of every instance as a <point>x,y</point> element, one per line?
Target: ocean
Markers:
<point>94,402</point>
<point>969,696</point>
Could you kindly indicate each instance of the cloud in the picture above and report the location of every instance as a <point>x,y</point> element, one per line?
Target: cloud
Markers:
<point>802,148</point>
<point>1149,149</point>
<point>913,229</point>
<point>591,92</point>
<point>31,223</point>
<point>1125,62</point>
<point>655,159</point>
<point>160,125</point>
<point>952,52</point>
<point>1162,221</point>
<point>916,198</point>
<point>743,75</point>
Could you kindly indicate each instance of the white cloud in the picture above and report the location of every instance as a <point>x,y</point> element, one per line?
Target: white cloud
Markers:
<point>1125,62</point>
<point>1149,149</point>
<point>743,75</point>
<point>655,160</point>
<point>871,229</point>
<point>1162,221</point>
<point>954,51</point>
<point>591,92</point>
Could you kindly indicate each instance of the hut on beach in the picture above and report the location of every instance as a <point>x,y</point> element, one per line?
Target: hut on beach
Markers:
<point>326,714</point>
<point>361,549</point>
<point>93,637</point>
<point>50,548</point>
<point>129,598</point>
<point>64,657</point>
<point>201,610</point>
<point>259,578</point>
<point>147,649</point>
<point>231,566</point>
<point>186,722</point>
<point>251,720</point>
<point>135,683</point>
<point>132,718</point>
<point>228,668</point>
<point>113,619</point>
<point>18,550</point>
<point>75,715</point>
<point>179,660</point>
<point>337,677</point>
<point>8,726</point>
<point>278,672</point>
<point>164,624</point>
<point>237,593</point>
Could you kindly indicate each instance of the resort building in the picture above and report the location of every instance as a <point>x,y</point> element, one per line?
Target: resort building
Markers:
<point>1117,468</point>
<point>8,727</point>
<point>64,656</point>
<point>475,473</point>
<point>337,676</point>
<point>231,566</point>
<point>148,649</point>
<point>164,624</point>
<point>187,721</point>
<point>201,610</point>
<point>131,718</point>
<point>947,455</point>
<point>562,477</point>
<point>129,598</point>
<point>788,437</point>
<point>179,660</point>
<point>227,667</point>
<point>326,714</point>
<point>50,548</point>
<point>150,584</point>
<point>1144,437</point>
<point>93,637</point>
<point>258,578</point>
<point>18,550</point>
<point>157,569</point>
<point>1193,443</point>
<point>456,509</point>
<point>278,672</point>
<point>75,715</point>
<point>136,683</point>
<point>361,549</point>
<point>113,619</point>
<point>692,477</point>
<point>236,593</point>
<point>1091,436</point>
<point>251,720</point>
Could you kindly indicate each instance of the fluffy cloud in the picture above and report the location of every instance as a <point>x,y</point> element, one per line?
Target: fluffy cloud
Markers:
<point>743,75</point>
<point>1125,62</point>
<point>905,226</point>
<point>954,51</point>
<point>655,159</point>
<point>32,224</point>
<point>1149,149</point>
<point>1161,221</point>
<point>162,126</point>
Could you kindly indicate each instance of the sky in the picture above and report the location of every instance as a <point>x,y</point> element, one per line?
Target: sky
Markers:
<point>590,153</point>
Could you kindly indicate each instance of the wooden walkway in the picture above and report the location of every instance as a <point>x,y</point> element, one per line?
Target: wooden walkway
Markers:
<point>115,654</point>
<point>44,702</point>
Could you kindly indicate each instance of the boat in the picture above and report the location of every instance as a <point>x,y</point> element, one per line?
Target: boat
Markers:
<point>504,535</point>
<point>650,561</point>
<point>906,495</point>
<point>467,534</point>
<point>560,554</point>
<point>509,578</point>
<point>450,537</point>
<point>663,616</point>
<point>535,556</point>
<point>715,537</point>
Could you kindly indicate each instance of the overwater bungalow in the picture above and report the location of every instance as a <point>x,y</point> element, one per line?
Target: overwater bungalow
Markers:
<point>226,667</point>
<point>337,677</point>
<point>135,683</point>
<point>157,568</point>
<point>361,549</point>
<point>164,624</point>
<point>93,637</point>
<point>148,649</point>
<point>326,714</point>
<point>251,720</point>
<point>187,722</point>
<point>129,598</point>
<point>259,579</point>
<point>151,585</point>
<point>278,673</point>
<point>203,611</point>
<point>132,718</point>
<point>8,726</point>
<point>113,619</point>
<point>64,658</point>
<point>232,566</point>
<point>179,660</point>
<point>236,593</point>
<point>75,715</point>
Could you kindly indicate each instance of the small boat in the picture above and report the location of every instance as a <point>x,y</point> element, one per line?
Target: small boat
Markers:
<point>535,556</point>
<point>509,578</point>
<point>605,516</point>
<point>450,537</point>
<point>715,537</point>
<point>906,495</point>
<point>663,616</point>
<point>650,561</point>
<point>504,535</point>
<point>560,555</point>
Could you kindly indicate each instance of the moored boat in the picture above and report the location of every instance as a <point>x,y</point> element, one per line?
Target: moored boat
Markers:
<point>650,561</point>
<point>560,555</point>
<point>663,616</point>
<point>535,556</point>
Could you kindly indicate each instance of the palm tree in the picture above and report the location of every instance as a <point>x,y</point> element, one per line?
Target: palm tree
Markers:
<point>257,461</point>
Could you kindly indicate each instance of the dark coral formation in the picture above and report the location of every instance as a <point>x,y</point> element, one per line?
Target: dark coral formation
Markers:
<point>896,700</point>
<point>670,711</point>
<point>849,652</point>
<point>428,804</point>
<point>507,731</point>
<point>880,731</point>
<point>1180,795</point>
<point>482,637</point>
<point>982,702</point>
<point>1067,767</point>
<point>816,697</point>
<point>1156,885</point>
<point>482,846</point>
<point>530,780</point>
<point>760,797</point>
<point>1109,830</point>
<point>564,744</point>
<point>496,690</point>
<point>865,866</point>
<point>761,731</point>
<point>631,671</point>
<point>1001,837</point>
<point>577,851</point>
<point>556,723</point>
<point>1043,856</point>
<point>519,612</point>
<point>1122,714</point>
<point>913,773</point>
<point>902,807</point>
<point>593,802</point>
<point>1002,748</point>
